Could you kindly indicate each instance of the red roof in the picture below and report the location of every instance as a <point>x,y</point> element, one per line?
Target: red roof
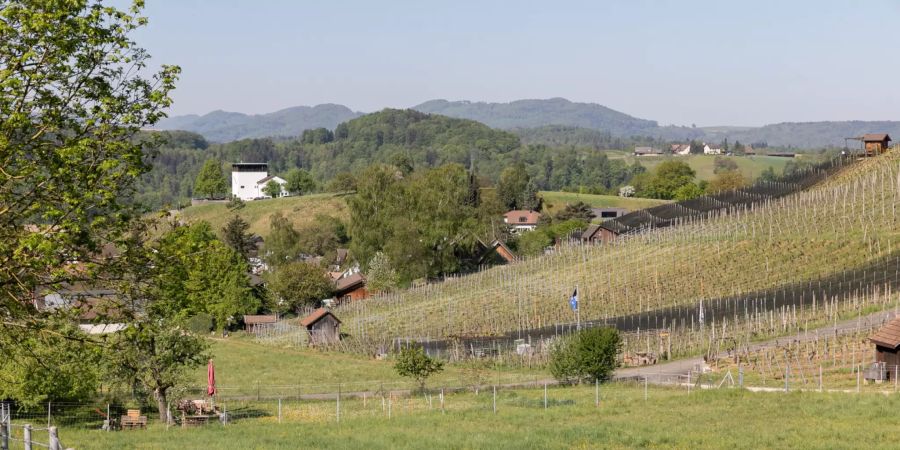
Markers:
<point>254,320</point>
<point>873,137</point>
<point>350,283</point>
<point>888,335</point>
<point>522,217</point>
<point>316,316</point>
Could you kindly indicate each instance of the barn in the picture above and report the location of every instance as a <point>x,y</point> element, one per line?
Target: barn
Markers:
<point>876,144</point>
<point>323,327</point>
<point>887,347</point>
<point>254,322</point>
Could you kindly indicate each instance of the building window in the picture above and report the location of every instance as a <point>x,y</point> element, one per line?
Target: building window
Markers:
<point>523,219</point>
<point>242,187</point>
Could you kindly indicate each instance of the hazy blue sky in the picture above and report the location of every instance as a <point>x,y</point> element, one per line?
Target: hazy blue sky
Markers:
<point>682,62</point>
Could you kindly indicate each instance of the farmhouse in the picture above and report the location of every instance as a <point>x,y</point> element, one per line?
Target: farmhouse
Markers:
<point>323,327</point>
<point>647,151</point>
<point>712,149</point>
<point>261,186</point>
<point>254,322</point>
<point>876,144</point>
<point>680,149</point>
<point>351,287</point>
<point>887,348</point>
<point>521,220</point>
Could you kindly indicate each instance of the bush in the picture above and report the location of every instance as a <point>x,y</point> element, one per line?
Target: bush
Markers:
<point>588,355</point>
<point>414,363</point>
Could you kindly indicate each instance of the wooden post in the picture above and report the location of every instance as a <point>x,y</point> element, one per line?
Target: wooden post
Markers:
<point>741,377</point>
<point>645,389</point>
<point>820,378</point>
<point>4,419</point>
<point>279,410</point>
<point>495,399</point>
<point>338,413</point>
<point>390,397</point>
<point>858,376</point>
<point>787,374</point>
<point>597,393</point>
<point>545,395</point>
<point>27,436</point>
<point>442,400</point>
<point>108,418</point>
<point>48,414</point>
<point>54,439</point>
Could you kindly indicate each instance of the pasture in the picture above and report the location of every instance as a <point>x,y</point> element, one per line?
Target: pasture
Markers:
<point>555,201</point>
<point>749,166</point>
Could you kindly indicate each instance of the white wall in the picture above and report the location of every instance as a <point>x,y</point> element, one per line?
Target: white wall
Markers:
<point>243,184</point>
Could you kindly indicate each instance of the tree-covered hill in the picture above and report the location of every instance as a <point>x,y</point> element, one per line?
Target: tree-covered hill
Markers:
<point>222,126</point>
<point>807,134</point>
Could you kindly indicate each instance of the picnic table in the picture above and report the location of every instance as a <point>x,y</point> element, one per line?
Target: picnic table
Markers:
<point>197,412</point>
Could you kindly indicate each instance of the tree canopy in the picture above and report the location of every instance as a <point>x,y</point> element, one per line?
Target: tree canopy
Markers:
<point>211,182</point>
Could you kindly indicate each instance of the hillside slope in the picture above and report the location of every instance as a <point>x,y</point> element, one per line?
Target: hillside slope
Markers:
<point>796,239</point>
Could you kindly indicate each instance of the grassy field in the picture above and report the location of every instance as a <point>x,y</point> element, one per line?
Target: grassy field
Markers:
<point>241,363</point>
<point>725,418</point>
<point>799,238</point>
<point>300,210</point>
<point>555,201</point>
<point>750,166</point>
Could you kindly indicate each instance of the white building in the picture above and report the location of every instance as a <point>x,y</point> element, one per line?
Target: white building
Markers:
<point>711,150</point>
<point>681,149</point>
<point>244,179</point>
<point>261,185</point>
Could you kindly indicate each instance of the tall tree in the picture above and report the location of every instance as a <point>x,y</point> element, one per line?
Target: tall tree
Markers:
<point>281,246</point>
<point>297,284</point>
<point>211,181</point>
<point>272,189</point>
<point>299,182</point>
<point>512,185</point>
<point>235,235</point>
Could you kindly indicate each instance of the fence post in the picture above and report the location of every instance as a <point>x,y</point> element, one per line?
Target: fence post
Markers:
<point>545,395</point>
<point>108,418</point>
<point>54,439</point>
<point>442,400</point>
<point>390,397</point>
<point>495,399</point>
<point>4,439</point>
<point>597,393</point>
<point>338,415</point>
<point>787,374</point>
<point>48,414</point>
<point>279,409</point>
<point>820,378</point>
<point>27,436</point>
<point>858,376</point>
<point>741,377</point>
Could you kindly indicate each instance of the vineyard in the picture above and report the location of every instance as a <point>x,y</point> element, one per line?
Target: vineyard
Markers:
<point>837,237</point>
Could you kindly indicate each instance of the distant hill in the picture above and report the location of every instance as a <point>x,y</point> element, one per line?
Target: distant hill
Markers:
<point>538,113</point>
<point>804,134</point>
<point>223,126</point>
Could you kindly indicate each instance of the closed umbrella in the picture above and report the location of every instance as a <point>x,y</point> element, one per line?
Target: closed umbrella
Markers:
<point>210,379</point>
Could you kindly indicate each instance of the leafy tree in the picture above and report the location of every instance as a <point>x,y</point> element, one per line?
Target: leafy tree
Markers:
<point>282,244</point>
<point>296,284</point>
<point>323,236</point>
<point>669,176</point>
<point>768,174</point>
<point>728,180</point>
<point>412,362</point>
<point>403,163</point>
<point>687,192</point>
<point>589,354</point>
<point>317,136</point>
<point>235,235</point>
<point>533,243</point>
<point>272,189</point>
<point>578,210</point>
<point>342,182</point>
<point>211,182</point>
<point>299,182</point>
<point>512,186</point>
<point>235,203</point>
<point>381,276</point>
<point>723,164</point>
<point>531,201</point>
<point>626,191</point>
<point>71,109</point>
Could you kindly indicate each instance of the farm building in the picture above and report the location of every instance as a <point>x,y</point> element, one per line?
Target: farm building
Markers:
<point>887,348</point>
<point>680,149</point>
<point>252,322</point>
<point>495,253</point>
<point>521,220</point>
<point>351,287</point>
<point>323,327</point>
<point>875,144</point>
<point>608,213</point>
<point>647,151</point>
<point>596,234</point>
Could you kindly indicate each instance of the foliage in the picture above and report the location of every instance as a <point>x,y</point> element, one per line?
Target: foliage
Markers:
<point>768,174</point>
<point>728,180</point>
<point>211,182</point>
<point>511,189</point>
<point>235,203</point>
<point>281,246</point>
<point>626,191</point>
<point>724,164</point>
<point>322,236</point>
<point>272,189</point>
<point>299,182</point>
<point>72,100</point>
<point>412,362</point>
<point>296,284</point>
<point>381,276</point>
<point>667,179</point>
<point>590,354</point>
<point>687,192</point>
<point>235,235</point>
<point>535,242</point>
<point>578,210</point>
<point>342,182</point>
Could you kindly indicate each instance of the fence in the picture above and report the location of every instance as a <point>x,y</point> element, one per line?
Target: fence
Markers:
<point>11,433</point>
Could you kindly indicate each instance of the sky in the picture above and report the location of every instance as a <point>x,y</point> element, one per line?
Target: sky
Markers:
<point>678,62</point>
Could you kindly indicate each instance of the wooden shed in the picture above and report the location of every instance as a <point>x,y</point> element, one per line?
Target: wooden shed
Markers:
<point>876,144</point>
<point>352,287</point>
<point>323,327</point>
<point>596,233</point>
<point>253,322</point>
<point>887,347</point>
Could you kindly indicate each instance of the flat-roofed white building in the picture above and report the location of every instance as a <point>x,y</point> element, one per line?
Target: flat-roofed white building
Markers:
<point>245,178</point>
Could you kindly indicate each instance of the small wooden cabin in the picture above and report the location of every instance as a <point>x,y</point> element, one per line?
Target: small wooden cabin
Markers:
<point>351,288</point>
<point>254,322</point>
<point>876,144</point>
<point>596,233</point>
<point>887,347</point>
<point>323,327</point>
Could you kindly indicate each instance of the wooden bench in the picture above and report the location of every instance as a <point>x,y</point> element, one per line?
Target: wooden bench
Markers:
<point>133,420</point>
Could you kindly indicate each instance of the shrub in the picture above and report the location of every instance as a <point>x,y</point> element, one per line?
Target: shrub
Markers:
<point>588,355</point>
<point>414,363</point>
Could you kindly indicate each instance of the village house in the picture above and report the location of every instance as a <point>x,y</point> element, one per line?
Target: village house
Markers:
<point>521,220</point>
<point>351,287</point>
<point>248,180</point>
<point>261,186</point>
<point>712,149</point>
<point>647,151</point>
<point>680,149</point>
<point>322,327</point>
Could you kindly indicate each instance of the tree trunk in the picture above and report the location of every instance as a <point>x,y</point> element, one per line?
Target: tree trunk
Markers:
<point>163,405</point>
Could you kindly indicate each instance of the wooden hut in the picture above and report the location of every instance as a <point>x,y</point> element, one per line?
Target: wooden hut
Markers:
<point>254,322</point>
<point>596,233</point>
<point>876,144</point>
<point>323,327</point>
<point>887,347</point>
<point>352,287</point>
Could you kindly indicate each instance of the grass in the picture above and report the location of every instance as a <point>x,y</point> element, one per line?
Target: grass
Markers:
<point>726,418</point>
<point>750,166</point>
<point>241,363</point>
<point>300,210</point>
<point>555,201</point>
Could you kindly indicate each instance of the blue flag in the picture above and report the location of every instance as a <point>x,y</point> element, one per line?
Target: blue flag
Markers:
<point>573,301</point>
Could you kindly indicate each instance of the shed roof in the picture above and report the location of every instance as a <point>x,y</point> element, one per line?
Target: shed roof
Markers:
<point>348,283</point>
<point>258,319</point>
<point>316,316</point>
<point>888,335</point>
<point>876,137</point>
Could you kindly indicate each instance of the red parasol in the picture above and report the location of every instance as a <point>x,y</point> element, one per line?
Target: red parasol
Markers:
<point>210,379</point>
